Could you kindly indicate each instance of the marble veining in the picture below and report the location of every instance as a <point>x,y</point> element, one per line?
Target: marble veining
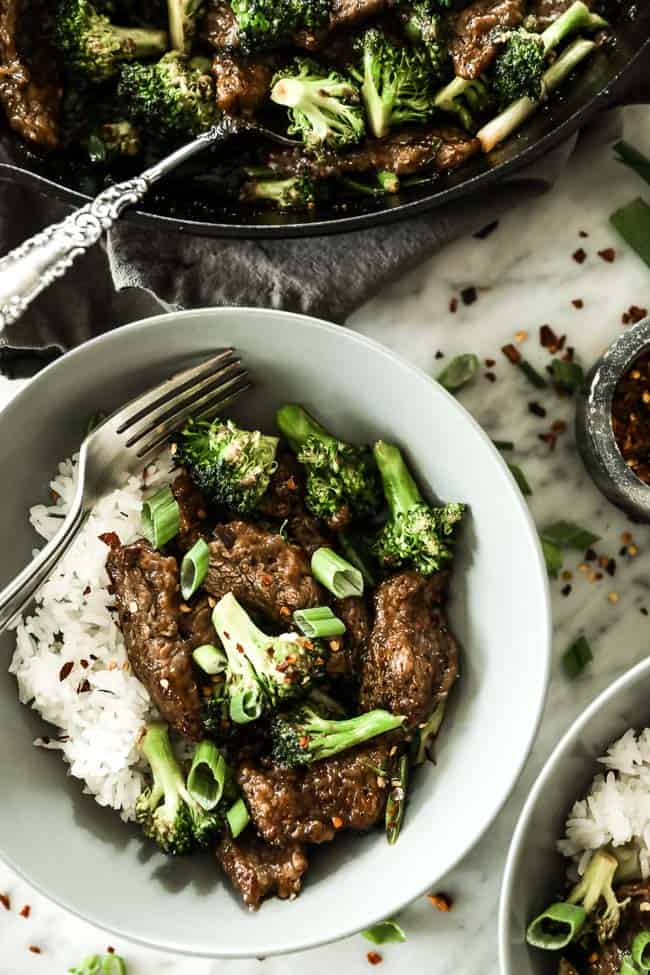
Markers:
<point>525,277</point>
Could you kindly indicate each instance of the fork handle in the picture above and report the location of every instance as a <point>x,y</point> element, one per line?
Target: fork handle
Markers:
<point>39,261</point>
<point>24,587</point>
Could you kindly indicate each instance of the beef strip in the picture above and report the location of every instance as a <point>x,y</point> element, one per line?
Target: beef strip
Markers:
<point>286,491</point>
<point>30,90</point>
<point>257,870</point>
<point>412,659</point>
<point>220,26</point>
<point>310,805</point>
<point>193,510</point>
<point>242,83</point>
<point>145,584</point>
<point>355,614</point>
<point>196,626</point>
<point>471,30</point>
<point>265,573</point>
<point>606,960</point>
<point>405,151</point>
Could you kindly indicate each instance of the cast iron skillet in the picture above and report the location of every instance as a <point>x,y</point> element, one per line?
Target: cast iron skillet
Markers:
<point>605,80</point>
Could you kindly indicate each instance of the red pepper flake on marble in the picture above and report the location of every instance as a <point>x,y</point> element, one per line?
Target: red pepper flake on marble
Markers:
<point>65,670</point>
<point>25,911</point>
<point>633,315</point>
<point>490,362</point>
<point>608,254</point>
<point>580,255</point>
<point>548,339</point>
<point>490,376</point>
<point>558,426</point>
<point>469,295</point>
<point>643,611</point>
<point>577,303</point>
<point>537,410</point>
<point>6,903</point>
<point>512,353</point>
<point>566,590</point>
<point>453,305</point>
<point>35,950</point>
<point>582,233</point>
<point>374,958</point>
<point>549,438</point>
<point>112,539</point>
<point>110,950</point>
<point>84,687</point>
<point>439,354</point>
<point>441,901</point>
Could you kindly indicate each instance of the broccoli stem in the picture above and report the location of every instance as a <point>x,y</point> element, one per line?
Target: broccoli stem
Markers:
<point>307,737</point>
<point>400,489</point>
<point>296,425</point>
<point>504,124</point>
<point>577,17</point>
<point>141,42</point>
<point>167,776</point>
<point>596,882</point>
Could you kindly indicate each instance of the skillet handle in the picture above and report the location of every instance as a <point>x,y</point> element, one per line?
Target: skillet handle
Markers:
<point>31,267</point>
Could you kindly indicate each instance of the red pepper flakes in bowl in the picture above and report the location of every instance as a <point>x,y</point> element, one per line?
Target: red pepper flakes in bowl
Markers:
<point>631,417</point>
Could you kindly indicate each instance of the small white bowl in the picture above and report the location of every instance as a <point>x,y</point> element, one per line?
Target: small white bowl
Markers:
<point>82,856</point>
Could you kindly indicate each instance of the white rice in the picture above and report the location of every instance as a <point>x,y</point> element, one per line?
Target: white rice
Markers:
<point>72,623</point>
<point>617,809</point>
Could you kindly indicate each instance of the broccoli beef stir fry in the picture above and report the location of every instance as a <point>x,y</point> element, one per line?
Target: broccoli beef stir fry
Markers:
<point>377,94</point>
<point>285,610</point>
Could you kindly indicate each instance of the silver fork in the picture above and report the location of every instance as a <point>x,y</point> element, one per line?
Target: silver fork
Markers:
<point>125,443</point>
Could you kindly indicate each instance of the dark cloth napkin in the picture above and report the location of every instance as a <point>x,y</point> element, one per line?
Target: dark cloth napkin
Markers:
<point>141,270</point>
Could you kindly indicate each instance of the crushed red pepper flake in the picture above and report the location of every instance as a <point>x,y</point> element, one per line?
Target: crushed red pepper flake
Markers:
<point>35,950</point>
<point>337,822</point>
<point>558,426</point>
<point>490,362</point>
<point>565,590</point>
<point>84,687</point>
<point>374,957</point>
<point>643,611</point>
<point>582,233</point>
<point>441,901</point>
<point>25,911</point>
<point>112,539</point>
<point>590,555</point>
<point>453,305</point>
<point>66,670</point>
<point>5,901</point>
<point>490,376</point>
<point>631,420</point>
<point>608,254</point>
<point>580,255</point>
<point>110,950</point>
<point>548,339</point>
<point>537,409</point>
<point>469,295</point>
<point>633,315</point>
<point>577,303</point>
<point>439,354</point>
<point>512,353</point>
<point>549,438</point>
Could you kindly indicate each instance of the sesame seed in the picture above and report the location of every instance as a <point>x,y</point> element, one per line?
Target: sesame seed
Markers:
<point>613,597</point>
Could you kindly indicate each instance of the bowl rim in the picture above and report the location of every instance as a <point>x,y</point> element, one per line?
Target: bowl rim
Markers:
<point>399,902</point>
<point>604,699</point>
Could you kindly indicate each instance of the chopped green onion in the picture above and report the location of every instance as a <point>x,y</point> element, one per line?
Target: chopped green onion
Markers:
<point>388,180</point>
<point>557,927</point>
<point>109,964</point>
<point>96,148</point>
<point>207,776</point>
<point>531,374</point>
<point>318,622</point>
<point>461,370</point>
<point>161,519</point>
<point>357,552</point>
<point>384,933</point>
<point>630,156</point>
<point>567,375</point>
<point>633,224</point>
<point>628,967</point>
<point>422,744</point>
<point>113,965</point>
<point>337,575</point>
<point>504,444</point>
<point>238,818</point>
<point>569,535</point>
<point>246,707</point>
<point>520,478</point>
<point>576,658</point>
<point>212,660</point>
<point>552,556</point>
<point>194,568</point>
<point>396,804</point>
<point>89,966</point>
<point>640,954</point>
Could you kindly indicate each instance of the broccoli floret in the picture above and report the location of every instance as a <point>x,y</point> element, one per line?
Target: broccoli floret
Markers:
<point>397,84</point>
<point>468,100</point>
<point>324,107</point>
<point>183,17</point>
<point>166,811</point>
<point>423,25</point>
<point>232,467</point>
<point>94,48</point>
<point>264,672</point>
<point>519,67</point>
<point>305,737</point>
<point>111,140</point>
<point>286,194</point>
<point>174,97</point>
<point>342,480</point>
<point>416,533</point>
<point>263,24</point>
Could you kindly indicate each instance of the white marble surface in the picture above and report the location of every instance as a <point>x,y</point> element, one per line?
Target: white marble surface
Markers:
<point>526,277</point>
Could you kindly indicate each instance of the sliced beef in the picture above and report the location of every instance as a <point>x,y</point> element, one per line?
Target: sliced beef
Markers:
<point>405,151</point>
<point>242,83</point>
<point>196,626</point>
<point>606,960</point>
<point>412,658</point>
<point>30,89</point>
<point>343,15</point>
<point>220,26</point>
<point>285,493</point>
<point>193,510</point>
<point>258,871</point>
<point>471,33</point>
<point>310,805</point>
<point>265,573</point>
<point>346,654</point>
<point>145,584</point>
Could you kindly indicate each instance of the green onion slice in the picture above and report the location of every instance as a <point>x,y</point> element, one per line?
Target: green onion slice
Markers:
<point>576,658</point>
<point>338,575</point>
<point>246,707</point>
<point>558,926</point>
<point>238,818</point>
<point>628,967</point>
<point>459,372</point>
<point>567,375</point>
<point>161,519</point>
<point>113,965</point>
<point>633,224</point>
<point>504,444</point>
<point>384,933</point>
<point>194,568</point>
<point>552,556</point>
<point>641,951</point>
<point>570,535</point>
<point>212,660</point>
<point>318,622</point>
<point>396,804</point>
<point>207,776</point>
<point>520,478</point>
<point>630,156</point>
<point>357,552</point>
<point>531,374</point>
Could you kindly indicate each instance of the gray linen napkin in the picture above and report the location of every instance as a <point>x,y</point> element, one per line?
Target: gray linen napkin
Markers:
<point>139,270</point>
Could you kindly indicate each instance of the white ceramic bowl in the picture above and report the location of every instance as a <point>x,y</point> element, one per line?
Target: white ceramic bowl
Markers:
<point>82,856</point>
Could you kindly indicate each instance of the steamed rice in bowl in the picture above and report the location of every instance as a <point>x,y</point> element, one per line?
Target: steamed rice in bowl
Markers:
<point>70,660</point>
